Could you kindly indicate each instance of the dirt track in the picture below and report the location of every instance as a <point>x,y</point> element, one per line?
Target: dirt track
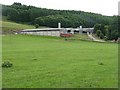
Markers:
<point>94,39</point>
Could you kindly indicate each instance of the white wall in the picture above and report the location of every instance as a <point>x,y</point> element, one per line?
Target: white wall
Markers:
<point>44,33</point>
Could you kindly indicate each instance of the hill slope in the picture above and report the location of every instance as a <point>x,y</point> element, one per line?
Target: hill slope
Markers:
<point>9,27</point>
<point>49,17</point>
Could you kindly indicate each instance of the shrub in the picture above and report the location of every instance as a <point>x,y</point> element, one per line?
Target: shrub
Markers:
<point>101,35</point>
<point>106,38</point>
<point>98,32</point>
<point>36,26</point>
<point>7,64</point>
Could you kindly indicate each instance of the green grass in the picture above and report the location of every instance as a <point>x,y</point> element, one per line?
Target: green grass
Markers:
<point>8,26</point>
<point>52,62</point>
<point>80,37</point>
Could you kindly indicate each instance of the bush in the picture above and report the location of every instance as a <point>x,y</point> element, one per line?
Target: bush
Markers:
<point>98,32</point>
<point>101,35</point>
<point>105,38</point>
<point>36,26</point>
<point>7,64</point>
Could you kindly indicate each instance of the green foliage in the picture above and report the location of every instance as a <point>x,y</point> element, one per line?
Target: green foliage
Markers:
<point>7,64</point>
<point>101,35</point>
<point>115,33</point>
<point>105,38</point>
<point>36,25</point>
<point>98,32</point>
<point>109,31</point>
<point>22,13</point>
<point>97,27</point>
<point>66,20</point>
<point>16,3</point>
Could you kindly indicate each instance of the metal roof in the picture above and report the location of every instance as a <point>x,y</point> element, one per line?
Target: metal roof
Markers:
<point>41,29</point>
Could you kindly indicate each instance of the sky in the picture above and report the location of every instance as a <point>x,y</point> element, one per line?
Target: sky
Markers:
<point>104,7</point>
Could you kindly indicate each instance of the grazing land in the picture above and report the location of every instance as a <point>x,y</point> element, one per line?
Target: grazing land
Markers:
<point>53,62</point>
<point>9,27</point>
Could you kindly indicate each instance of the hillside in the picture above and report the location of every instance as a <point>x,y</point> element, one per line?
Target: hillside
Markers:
<point>49,17</point>
<point>10,27</point>
<point>7,25</point>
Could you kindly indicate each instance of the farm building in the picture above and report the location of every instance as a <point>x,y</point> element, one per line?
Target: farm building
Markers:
<point>44,31</point>
<point>56,31</point>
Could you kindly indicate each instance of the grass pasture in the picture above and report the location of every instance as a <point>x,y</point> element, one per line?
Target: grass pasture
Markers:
<point>52,62</point>
<point>8,27</point>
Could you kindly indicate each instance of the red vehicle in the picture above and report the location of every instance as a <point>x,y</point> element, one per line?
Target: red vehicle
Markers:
<point>65,35</point>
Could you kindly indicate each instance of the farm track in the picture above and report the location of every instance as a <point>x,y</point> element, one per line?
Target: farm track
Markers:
<point>93,38</point>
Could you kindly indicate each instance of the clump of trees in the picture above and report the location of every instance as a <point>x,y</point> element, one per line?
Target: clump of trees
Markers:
<point>108,32</point>
<point>66,20</point>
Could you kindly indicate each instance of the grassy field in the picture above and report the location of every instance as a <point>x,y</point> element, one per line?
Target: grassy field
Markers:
<point>52,62</point>
<point>8,26</point>
<point>80,37</point>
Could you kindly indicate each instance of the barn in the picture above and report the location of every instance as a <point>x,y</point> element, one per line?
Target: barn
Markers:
<point>56,31</point>
<point>43,31</point>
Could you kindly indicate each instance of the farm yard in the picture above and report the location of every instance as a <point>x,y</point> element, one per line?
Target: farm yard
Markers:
<point>53,62</point>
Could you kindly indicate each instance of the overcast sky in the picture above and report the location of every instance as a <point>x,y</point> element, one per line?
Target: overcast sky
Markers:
<point>104,7</point>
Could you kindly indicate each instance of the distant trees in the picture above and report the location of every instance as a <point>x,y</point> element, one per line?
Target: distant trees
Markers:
<point>66,20</point>
<point>22,13</point>
<point>115,33</point>
<point>108,32</point>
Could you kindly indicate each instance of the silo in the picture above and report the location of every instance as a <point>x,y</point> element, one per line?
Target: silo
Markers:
<point>80,29</point>
<point>59,25</point>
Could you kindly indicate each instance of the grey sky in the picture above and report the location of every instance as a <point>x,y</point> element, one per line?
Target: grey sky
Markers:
<point>105,7</point>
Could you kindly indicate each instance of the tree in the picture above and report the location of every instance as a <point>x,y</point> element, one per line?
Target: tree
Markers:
<point>98,32</point>
<point>97,27</point>
<point>101,35</point>
<point>36,26</point>
<point>16,3</point>
<point>50,17</point>
<point>102,29</point>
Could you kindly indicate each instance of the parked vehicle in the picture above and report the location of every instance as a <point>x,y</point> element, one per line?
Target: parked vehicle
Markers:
<point>66,35</point>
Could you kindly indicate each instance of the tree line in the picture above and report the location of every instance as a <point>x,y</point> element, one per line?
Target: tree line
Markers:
<point>69,18</point>
<point>108,32</point>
